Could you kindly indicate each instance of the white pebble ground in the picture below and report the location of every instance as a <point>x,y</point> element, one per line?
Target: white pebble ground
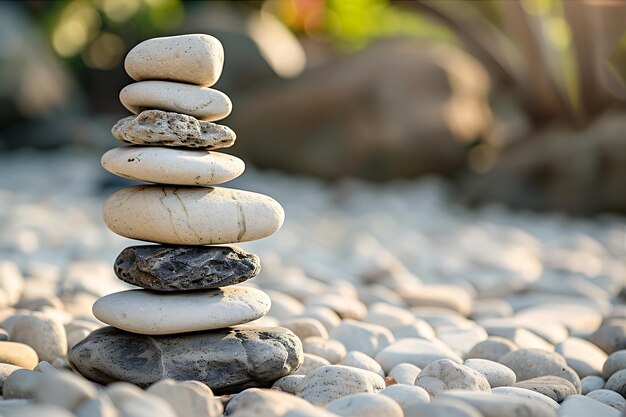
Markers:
<point>500,311</point>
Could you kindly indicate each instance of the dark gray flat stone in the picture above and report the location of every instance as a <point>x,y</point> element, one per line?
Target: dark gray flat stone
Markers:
<point>182,268</point>
<point>227,360</point>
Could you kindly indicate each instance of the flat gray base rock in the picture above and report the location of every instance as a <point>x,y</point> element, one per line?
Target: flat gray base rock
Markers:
<point>162,128</point>
<point>183,268</point>
<point>227,360</point>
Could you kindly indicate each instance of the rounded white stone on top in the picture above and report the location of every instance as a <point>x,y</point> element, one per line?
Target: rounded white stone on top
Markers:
<point>194,59</point>
<point>191,215</point>
<point>147,312</point>
<point>172,166</point>
<point>200,102</point>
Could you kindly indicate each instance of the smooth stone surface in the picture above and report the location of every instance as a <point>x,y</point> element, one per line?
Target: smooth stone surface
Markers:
<point>491,405</point>
<point>497,374</point>
<point>101,406</point>
<point>290,383</point>
<point>263,403</point>
<point>21,383</point>
<point>492,349</point>
<point>591,383</point>
<point>171,165</point>
<point>180,216</point>
<point>360,360</point>
<point>6,370</point>
<point>226,360</point>
<point>44,334</point>
<point>608,397</point>
<point>404,373</point>
<point>582,356</point>
<point>616,361</point>
<point>331,350</point>
<point>183,268</point>
<point>328,383</point>
<point>409,397</point>
<point>64,389</point>
<point>526,394</point>
<point>200,102</point>
<point>311,362</point>
<point>194,59</point>
<point>610,337</point>
<point>418,352</point>
<point>532,363</point>
<point>446,408</point>
<point>551,386</point>
<point>445,375</point>
<point>189,398</point>
<point>151,313</point>
<point>617,382</point>
<point>581,406</point>
<point>36,410</point>
<point>18,354</point>
<point>363,337</point>
<point>365,405</point>
<point>305,327</point>
<point>162,128</point>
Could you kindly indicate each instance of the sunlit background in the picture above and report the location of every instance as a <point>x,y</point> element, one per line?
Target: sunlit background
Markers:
<point>514,101</point>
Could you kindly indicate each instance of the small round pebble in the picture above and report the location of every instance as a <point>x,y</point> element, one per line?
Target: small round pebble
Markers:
<point>582,406</point>
<point>18,354</point>
<point>328,383</point>
<point>189,398</point>
<point>616,361</point>
<point>617,382</point>
<point>497,374</point>
<point>591,383</point>
<point>409,397</point>
<point>64,389</point>
<point>365,405</point>
<point>44,334</point>
<point>608,397</point>
<point>6,370</point>
<point>551,386</point>
<point>360,360</point>
<point>263,402</point>
<point>492,349</point>
<point>405,373</point>
<point>331,350</point>
<point>305,327</point>
<point>363,337</point>
<point>444,375</point>
<point>290,383</point>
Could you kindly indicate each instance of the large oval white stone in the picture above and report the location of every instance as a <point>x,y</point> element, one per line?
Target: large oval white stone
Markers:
<point>191,215</point>
<point>194,59</point>
<point>171,165</point>
<point>146,312</point>
<point>192,100</point>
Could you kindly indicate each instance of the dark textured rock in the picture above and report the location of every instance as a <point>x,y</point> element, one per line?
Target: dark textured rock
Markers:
<point>181,268</point>
<point>551,386</point>
<point>162,128</point>
<point>227,360</point>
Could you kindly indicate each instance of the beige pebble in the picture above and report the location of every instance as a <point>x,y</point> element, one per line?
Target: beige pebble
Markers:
<point>64,389</point>
<point>44,334</point>
<point>172,166</point>
<point>194,59</point>
<point>200,102</point>
<point>18,354</point>
<point>180,216</point>
<point>188,398</point>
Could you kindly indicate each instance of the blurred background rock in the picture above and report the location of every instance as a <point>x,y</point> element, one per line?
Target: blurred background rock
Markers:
<point>515,101</point>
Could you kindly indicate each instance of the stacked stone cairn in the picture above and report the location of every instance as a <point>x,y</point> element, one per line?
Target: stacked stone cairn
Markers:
<point>188,322</point>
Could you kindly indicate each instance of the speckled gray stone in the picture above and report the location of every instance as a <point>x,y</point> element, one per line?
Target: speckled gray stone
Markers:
<point>163,128</point>
<point>328,383</point>
<point>182,268</point>
<point>532,363</point>
<point>617,382</point>
<point>551,386</point>
<point>444,374</point>
<point>591,383</point>
<point>615,362</point>
<point>608,397</point>
<point>227,360</point>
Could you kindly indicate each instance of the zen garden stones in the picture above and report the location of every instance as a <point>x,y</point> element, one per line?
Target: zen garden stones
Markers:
<point>390,300</point>
<point>188,304</point>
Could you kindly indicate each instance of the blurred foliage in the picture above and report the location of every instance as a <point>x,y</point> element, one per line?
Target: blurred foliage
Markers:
<point>97,32</point>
